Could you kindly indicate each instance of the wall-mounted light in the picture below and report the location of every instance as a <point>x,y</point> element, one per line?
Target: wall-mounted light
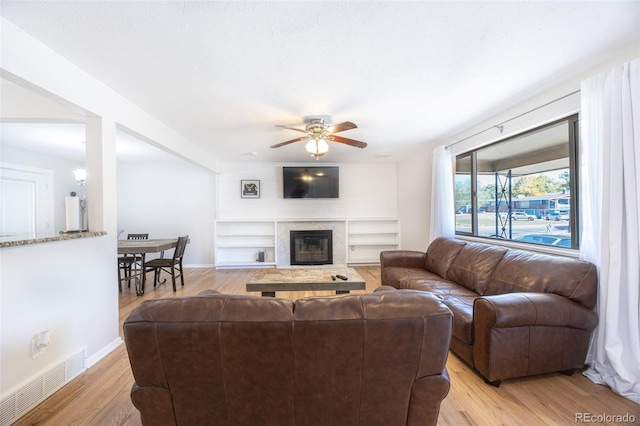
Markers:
<point>80,175</point>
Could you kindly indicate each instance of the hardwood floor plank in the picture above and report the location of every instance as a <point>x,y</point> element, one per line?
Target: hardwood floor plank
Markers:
<point>100,396</point>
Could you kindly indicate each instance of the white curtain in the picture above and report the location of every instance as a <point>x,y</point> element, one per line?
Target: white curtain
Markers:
<point>609,194</point>
<point>442,204</point>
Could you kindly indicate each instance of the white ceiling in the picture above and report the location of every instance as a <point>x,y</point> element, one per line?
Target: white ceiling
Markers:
<point>407,73</point>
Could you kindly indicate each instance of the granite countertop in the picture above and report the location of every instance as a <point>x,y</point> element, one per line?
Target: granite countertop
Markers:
<point>62,237</point>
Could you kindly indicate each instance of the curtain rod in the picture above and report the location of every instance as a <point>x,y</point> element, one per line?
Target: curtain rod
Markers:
<point>500,126</point>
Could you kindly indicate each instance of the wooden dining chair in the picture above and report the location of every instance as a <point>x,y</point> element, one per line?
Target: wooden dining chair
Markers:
<point>171,265</point>
<point>126,262</point>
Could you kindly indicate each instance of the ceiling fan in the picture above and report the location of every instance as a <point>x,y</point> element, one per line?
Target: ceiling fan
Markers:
<point>318,133</point>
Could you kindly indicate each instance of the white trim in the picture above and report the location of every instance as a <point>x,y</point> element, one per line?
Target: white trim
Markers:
<point>200,265</point>
<point>106,350</point>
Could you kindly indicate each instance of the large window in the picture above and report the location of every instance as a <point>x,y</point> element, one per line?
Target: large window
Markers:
<point>522,188</point>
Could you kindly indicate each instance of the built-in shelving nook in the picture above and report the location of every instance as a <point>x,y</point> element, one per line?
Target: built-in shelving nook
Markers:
<point>265,243</point>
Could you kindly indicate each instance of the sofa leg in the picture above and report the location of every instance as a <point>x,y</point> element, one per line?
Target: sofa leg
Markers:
<point>568,372</point>
<point>495,383</point>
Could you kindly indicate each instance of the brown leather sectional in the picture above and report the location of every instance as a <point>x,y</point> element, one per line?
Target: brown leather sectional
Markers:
<point>214,359</point>
<point>515,313</point>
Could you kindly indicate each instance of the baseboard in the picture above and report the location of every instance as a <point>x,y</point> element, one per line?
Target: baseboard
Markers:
<point>200,265</point>
<point>93,359</point>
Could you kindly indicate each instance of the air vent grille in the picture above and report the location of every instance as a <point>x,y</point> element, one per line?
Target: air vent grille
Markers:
<point>18,403</point>
<point>8,409</point>
<point>54,379</point>
<point>30,394</point>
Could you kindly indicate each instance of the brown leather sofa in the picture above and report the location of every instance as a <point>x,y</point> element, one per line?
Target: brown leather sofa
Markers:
<point>515,313</point>
<point>214,359</point>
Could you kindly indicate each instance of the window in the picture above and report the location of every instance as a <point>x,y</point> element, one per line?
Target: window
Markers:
<point>522,188</point>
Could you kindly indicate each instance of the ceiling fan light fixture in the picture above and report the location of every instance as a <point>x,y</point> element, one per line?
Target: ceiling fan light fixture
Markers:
<point>317,147</point>
<point>318,134</point>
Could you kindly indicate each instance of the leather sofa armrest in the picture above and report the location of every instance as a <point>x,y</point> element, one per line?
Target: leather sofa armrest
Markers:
<point>154,404</point>
<point>426,395</point>
<point>402,258</point>
<point>528,309</point>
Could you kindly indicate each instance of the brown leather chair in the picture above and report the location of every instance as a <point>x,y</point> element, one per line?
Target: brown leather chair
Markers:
<point>214,359</point>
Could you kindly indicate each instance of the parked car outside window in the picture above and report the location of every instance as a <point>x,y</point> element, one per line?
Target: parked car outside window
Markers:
<point>522,216</point>
<point>558,240</point>
<point>557,215</point>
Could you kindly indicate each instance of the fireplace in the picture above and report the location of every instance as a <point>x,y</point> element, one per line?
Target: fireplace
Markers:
<point>311,247</point>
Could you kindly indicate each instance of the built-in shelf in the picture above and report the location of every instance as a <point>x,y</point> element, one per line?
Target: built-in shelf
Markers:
<point>238,242</point>
<point>366,238</point>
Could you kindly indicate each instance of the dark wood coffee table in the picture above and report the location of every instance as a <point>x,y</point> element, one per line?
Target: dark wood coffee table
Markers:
<point>268,281</point>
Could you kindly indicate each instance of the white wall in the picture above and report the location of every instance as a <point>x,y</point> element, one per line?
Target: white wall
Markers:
<point>167,200</point>
<point>63,180</point>
<point>59,287</point>
<point>414,199</point>
<point>366,191</point>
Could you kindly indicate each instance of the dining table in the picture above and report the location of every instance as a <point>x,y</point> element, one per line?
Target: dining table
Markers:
<point>143,247</point>
<point>146,246</point>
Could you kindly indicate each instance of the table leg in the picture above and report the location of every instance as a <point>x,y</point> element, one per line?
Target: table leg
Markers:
<point>268,294</point>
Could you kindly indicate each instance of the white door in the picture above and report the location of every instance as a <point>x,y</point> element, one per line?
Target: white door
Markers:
<point>25,208</point>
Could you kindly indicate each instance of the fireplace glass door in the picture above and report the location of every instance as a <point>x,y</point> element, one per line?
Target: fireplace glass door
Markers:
<point>311,247</point>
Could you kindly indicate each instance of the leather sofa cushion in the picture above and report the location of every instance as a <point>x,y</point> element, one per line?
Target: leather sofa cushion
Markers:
<point>521,271</point>
<point>441,287</point>
<point>462,308</point>
<point>474,266</point>
<point>441,253</point>
<point>401,277</point>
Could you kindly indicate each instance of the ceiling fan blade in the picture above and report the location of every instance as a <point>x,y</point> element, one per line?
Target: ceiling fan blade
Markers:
<point>341,127</point>
<point>303,138</point>
<point>347,141</point>
<point>291,128</point>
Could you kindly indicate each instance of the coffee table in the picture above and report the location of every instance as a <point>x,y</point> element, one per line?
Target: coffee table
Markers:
<point>268,281</point>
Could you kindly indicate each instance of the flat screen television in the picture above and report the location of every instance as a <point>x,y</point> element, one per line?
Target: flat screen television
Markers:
<point>310,182</point>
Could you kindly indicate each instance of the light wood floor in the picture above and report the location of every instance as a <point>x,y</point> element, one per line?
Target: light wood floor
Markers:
<point>100,396</point>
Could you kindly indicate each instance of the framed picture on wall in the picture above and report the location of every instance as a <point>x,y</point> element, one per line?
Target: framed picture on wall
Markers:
<point>250,188</point>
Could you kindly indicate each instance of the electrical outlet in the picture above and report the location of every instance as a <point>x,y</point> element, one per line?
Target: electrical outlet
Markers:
<point>36,350</point>
<point>39,343</point>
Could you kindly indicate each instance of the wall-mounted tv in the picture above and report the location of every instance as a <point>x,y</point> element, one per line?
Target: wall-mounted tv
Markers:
<point>310,182</point>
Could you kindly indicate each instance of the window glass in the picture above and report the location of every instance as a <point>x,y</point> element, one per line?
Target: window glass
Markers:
<point>463,194</point>
<point>523,187</point>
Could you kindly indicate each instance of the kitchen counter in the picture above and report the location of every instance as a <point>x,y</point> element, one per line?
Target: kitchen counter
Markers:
<point>61,237</point>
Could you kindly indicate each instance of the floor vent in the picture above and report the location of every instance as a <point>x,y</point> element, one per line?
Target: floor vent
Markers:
<point>20,402</point>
